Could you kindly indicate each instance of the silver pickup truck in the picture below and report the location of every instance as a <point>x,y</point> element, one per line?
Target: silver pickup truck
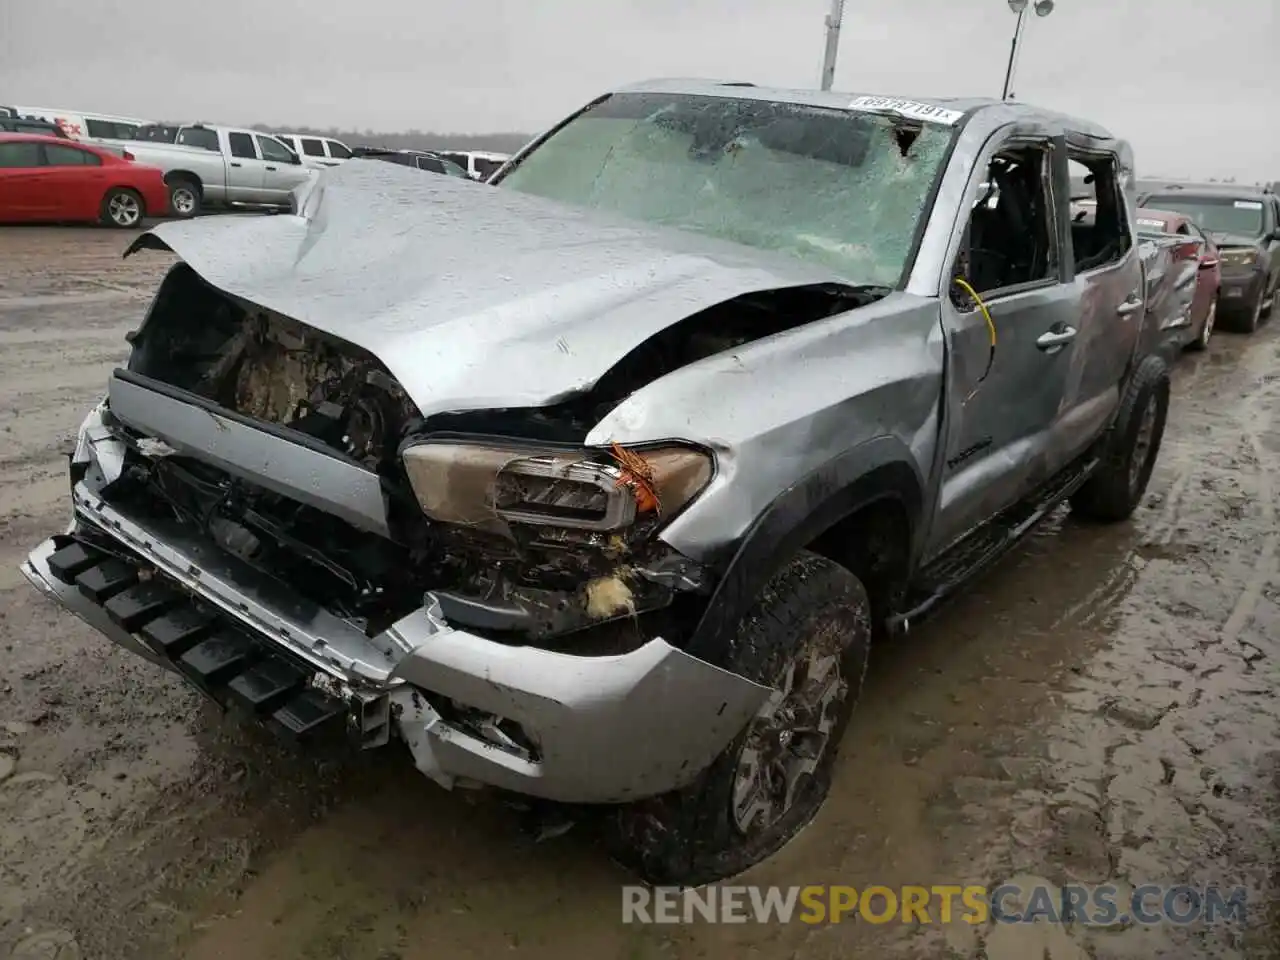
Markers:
<point>222,167</point>
<point>597,485</point>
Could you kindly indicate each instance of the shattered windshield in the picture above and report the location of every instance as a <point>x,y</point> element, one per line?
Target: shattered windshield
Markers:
<point>844,189</point>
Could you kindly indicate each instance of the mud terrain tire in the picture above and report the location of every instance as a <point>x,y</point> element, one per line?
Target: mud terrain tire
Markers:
<point>812,612</point>
<point>1130,448</point>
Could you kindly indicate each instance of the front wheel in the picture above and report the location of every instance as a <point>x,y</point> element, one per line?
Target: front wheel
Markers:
<point>122,207</point>
<point>808,637</point>
<point>1130,448</point>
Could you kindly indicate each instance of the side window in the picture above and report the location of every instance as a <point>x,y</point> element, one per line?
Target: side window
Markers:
<point>430,163</point>
<point>1184,229</point>
<point>1106,239</point>
<point>17,156</point>
<point>100,129</point>
<point>201,137</point>
<point>1011,237</point>
<point>242,146</point>
<point>312,147</point>
<point>275,151</point>
<point>337,150</point>
<point>59,156</point>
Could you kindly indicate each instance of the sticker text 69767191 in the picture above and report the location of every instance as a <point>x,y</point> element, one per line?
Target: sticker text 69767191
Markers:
<point>907,108</point>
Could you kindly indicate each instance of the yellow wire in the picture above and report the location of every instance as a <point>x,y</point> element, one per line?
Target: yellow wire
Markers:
<point>986,314</point>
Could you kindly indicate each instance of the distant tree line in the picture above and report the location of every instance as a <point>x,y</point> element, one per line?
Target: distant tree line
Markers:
<point>414,139</point>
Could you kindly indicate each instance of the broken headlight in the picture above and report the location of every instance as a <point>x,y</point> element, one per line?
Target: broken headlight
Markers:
<point>490,486</point>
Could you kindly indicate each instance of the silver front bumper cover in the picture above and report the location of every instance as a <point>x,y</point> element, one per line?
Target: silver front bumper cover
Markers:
<point>606,729</point>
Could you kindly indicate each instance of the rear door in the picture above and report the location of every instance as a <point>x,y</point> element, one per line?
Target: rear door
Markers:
<point>21,167</point>
<point>74,180</point>
<point>1013,346</point>
<point>245,169</point>
<point>1106,275</point>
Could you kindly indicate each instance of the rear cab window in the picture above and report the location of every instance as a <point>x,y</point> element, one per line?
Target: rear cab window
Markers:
<point>201,137</point>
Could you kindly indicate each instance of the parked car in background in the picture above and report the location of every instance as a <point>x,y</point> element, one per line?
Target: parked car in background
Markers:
<point>224,166</point>
<point>607,505</point>
<point>316,151</point>
<point>48,179</point>
<point>419,159</point>
<point>1194,246</point>
<point>79,125</point>
<point>479,164</point>
<point>8,112</point>
<point>1244,223</point>
<point>43,128</point>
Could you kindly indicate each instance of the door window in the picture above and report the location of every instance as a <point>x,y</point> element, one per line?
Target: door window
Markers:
<point>1011,238</point>
<point>17,156</point>
<point>59,156</point>
<point>430,163</point>
<point>337,150</point>
<point>1105,240</point>
<point>275,151</point>
<point>312,147</point>
<point>242,146</point>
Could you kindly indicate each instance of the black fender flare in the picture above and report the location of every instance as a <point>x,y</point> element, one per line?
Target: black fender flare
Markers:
<point>879,469</point>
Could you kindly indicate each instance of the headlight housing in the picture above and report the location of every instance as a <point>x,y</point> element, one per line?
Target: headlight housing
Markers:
<point>1243,257</point>
<point>489,485</point>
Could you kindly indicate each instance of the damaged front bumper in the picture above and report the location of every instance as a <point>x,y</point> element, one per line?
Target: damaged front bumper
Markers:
<point>586,729</point>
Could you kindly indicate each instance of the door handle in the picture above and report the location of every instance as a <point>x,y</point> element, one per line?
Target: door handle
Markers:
<point>271,168</point>
<point>1055,340</point>
<point>236,164</point>
<point>1131,305</point>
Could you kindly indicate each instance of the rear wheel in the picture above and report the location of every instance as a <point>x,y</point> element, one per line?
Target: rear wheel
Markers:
<point>184,198</point>
<point>123,208</point>
<point>1201,342</point>
<point>1130,449</point>
<point>808,638</point>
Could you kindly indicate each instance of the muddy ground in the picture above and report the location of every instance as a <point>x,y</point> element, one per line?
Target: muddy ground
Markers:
<point>1102,706</point>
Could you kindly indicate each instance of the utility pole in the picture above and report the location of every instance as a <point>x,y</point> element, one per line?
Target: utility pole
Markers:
<point>833,43</point>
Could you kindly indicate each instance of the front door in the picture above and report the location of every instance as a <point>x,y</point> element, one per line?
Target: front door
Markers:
<point>1011,323</point>
<point>282,170</point>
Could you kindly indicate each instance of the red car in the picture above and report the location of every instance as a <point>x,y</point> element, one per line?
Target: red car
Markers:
<point>1204,305</point>
<point>44,179</point>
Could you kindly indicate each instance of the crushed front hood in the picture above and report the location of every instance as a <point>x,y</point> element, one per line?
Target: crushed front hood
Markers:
<point>473,296</point>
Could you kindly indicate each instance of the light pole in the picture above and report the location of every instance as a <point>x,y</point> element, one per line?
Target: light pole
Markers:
<point>1042,8</point>
<point>833,43</point>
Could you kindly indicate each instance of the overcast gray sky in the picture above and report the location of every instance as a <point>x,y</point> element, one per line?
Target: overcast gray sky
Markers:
<point>1192,83</point>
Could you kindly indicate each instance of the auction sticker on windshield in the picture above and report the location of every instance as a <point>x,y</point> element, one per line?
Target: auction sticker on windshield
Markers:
<point>907,108</point>
<point>1248,204</point>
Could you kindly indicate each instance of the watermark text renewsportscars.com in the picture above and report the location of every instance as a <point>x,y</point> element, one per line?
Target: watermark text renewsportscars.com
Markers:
<point>1101,905</point>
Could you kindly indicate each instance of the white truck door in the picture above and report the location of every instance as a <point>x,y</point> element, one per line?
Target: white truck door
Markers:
<point>245,169</point>
<point>282,169</point>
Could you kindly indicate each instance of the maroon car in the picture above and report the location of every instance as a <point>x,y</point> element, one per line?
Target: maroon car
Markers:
<point>1199,247</point>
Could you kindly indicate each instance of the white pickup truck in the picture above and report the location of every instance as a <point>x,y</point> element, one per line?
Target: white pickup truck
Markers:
<point>222,167</point>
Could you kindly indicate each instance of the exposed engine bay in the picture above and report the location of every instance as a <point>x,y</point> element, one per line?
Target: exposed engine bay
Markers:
<point>531,543</point>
